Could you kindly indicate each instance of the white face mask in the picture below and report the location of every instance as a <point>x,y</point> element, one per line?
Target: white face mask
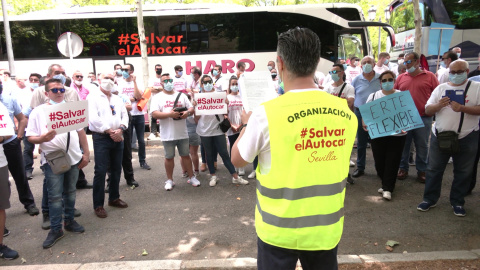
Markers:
<point>107,85</point>
<point>77,82</point>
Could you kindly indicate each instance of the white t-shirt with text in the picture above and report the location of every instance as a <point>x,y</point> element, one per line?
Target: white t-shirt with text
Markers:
<point>170,129</point>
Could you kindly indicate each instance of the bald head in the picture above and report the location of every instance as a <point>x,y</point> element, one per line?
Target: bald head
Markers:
<point>459,64</point>
<point>368,60</point>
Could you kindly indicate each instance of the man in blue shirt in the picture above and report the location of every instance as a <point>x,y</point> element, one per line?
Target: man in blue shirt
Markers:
<point>364,84</point>
<point>13,152</point>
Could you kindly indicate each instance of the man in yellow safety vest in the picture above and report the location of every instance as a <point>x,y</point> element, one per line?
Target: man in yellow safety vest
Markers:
<point>303,140</point>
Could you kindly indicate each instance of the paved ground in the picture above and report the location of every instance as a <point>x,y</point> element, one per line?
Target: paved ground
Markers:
<point>191,223</point>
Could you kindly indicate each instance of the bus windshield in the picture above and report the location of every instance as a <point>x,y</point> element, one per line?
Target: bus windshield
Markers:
<point>463,14</point>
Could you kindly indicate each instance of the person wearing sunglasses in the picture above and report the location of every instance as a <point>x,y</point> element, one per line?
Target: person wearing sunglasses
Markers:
<point>460,117</point>
<point>387,151</point>
<point>79,86</point>
<point>213,138</point>
<point>172,108</point>
<point>108,120</point>
<point>61,187</point>
<point>421,84</point>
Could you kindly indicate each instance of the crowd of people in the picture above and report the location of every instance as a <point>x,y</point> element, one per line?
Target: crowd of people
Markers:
<point>117,124</point>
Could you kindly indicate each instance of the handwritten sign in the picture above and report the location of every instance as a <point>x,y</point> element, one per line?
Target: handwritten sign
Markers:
<point>6,125</point>
<point>390,115</point>
<point>68,116</point>
<point>256,88</point>
<point>211,103</point>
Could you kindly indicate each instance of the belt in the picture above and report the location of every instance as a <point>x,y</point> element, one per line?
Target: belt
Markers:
<point>101,134</point>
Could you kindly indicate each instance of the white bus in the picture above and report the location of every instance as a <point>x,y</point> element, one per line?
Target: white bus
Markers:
<point>464,15</point>
<point>200,35</point>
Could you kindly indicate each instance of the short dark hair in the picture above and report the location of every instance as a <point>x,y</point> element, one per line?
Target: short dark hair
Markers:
<point>453,56</point>
<point>43,80</point>
<point>68,81</point>
<point>385,73</point>
<point>299,48</point>
<point>340,66</point>
<point>158,65</point>
<point>131,66</point>
<point>401,55</point>
<point>177,67</point>
<point>165,74</point>
<point>203,77</point>
<point>240,64</point>
<point>383,54</point>
<point>352,58</point>
<point>219,67</point>
<point>47,87</point>
<point>197,71</point>
<point>93,73</point>
<point>230,82</point>
<point>6,72</point>
<point>35,75</point>
<point>116,65</point>
<point>415,55</point>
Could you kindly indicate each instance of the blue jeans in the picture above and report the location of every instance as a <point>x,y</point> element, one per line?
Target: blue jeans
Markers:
<point>28,154</point>
<point>107,152</point>
<point>362,140</point>
<point>463,163</point>
<point>61,195</point>
<point>138,121</point>
<point>220,144</point>
<point>420,137</point>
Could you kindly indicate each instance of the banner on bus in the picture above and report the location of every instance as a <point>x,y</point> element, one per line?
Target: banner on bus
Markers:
<point>390,115</point>
<point>6,125</point>
<point>211,103</point>
<point>68,116</point>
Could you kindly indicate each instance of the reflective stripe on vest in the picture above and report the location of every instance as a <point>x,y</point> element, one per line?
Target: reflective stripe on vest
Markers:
<point>303,192</point>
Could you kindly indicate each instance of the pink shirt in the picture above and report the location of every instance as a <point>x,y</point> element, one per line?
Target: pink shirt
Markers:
<point>420,87</point>
<point>82,91</point>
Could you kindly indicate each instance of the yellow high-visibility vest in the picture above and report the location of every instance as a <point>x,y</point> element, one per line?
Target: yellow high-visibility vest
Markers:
<point>300,200</point>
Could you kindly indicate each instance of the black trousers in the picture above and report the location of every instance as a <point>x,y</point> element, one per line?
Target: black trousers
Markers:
<point>127,155</point>
<point>387,153</point>
<point>16,166</point>
<point>276,258</point>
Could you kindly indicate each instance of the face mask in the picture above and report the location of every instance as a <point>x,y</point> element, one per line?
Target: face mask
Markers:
<point>458,55</point>
<point>107,84</point>
<point>400,61</point>
<point>269,68</point>
<point>234,88</point>
<point>345,66</point>
<point>335,77</point>
<point>457,78</point>
<point>158,71</point>
<point>193,76</point>
<point>215,72</point>
<point>168,86</point>
<point>442,64</point>
<point>356,63</point>
<point>387,86</point>
<point>53,102</point>
<point>125,74</point>
<point>77,82</point>
<point>180,73</point>
<point>60,77</point>
<point>411,70</point>
<point>119,72</point>
<point>208,87</point>
<point>367,68</point>
<point>274,75</point>
<point>33,85</point>
<point>386,62</point>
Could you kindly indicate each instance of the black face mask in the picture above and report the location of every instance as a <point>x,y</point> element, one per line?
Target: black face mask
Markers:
<point>158,71</point>
<point>274,76</point>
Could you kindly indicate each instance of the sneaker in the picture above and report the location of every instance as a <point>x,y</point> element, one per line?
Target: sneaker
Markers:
<point>380,190</point>
<point>194,182</point>
<point>252,175</point>
<point>32,210</point>
<point>241,171</point>
<point>240,181</point>
<point>145,166</point>
<point>387,195</point>
<point>6,232</point>
<point>352,163</point>
<point>29,175</point>
<point>73,226</point>
<point>185,174</point>
<point>52,238</point>
<point>213,181</point>
<point>459,211</point>
<point>46,221</point>
<point>196,173</point>
<point>151,136</point>
<point>350,180</point>
<point>169,185</point>
<point>425,206</point>
<point>7,253</point>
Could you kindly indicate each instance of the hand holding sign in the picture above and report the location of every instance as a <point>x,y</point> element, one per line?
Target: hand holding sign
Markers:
<point>210,103</point>
<point>68,116</point>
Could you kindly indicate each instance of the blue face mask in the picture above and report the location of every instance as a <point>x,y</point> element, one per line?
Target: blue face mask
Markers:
<point>269,68</point>
<point>335,77</point>
<point>345,66</point>
<point>457,78</point>
<point>234,88</point>
<point>387,86</point>
<point>367,68</point>
<point>168,86</point>
<point>60,77</point>
<point>125,74</point>
<point>458,55</point>
<point>208,87</point>
<point>180,73</point>
<point>193,76</point>
<point>119,72</point>
<point>386,62</point>
<point>34,85</point>
<point>215,72</point>
<point>442,64</point>
<point>412,69</point>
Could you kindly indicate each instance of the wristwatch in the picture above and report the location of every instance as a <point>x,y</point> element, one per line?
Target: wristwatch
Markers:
<point>242,127</point>
<point>123,128</point>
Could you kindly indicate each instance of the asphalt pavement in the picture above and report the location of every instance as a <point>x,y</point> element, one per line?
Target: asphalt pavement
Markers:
<point>194,224</point>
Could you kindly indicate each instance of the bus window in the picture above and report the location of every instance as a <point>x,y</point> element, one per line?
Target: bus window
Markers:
<point>403,17</point>
<point>349,45</point>
<point>463,14</point>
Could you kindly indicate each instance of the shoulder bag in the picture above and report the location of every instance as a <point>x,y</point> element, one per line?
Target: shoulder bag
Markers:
<point>58,160</point>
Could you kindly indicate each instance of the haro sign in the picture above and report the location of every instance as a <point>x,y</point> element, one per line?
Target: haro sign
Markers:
<point>127,39</point>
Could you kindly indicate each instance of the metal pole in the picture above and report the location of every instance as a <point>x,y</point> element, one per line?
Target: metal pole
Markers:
<point>379,36</point>
<point>8,39</point>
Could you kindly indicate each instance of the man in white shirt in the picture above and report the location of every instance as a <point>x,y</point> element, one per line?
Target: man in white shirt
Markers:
<point>108,119</point>
<point>383,61</point>
<point>194,86</point>
<point>29,147</point>
<point>353,70</point>
<point>339,87</point>
<point>61,187</point>
<point>179,82</point>
<point>155,84</point>
<point>461,121</point>
<point>129,88</point>
<point>444,71</point>
<point>220,83</point>
<point>24,92</point>
<point>173,129</point>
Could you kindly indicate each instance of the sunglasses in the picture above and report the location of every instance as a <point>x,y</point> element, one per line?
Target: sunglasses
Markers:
<point>408,62</point>
<point>125,69</point>
<point>113,109</point>
<point>79,76</point>
<point>168,81</point>
<point>334,72</point>
<point>207,82</point>
<point>181,70</point>
<point>387,80</point>
<point>235,84</point>
<point>55,90</point>
<point>58,73</point>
